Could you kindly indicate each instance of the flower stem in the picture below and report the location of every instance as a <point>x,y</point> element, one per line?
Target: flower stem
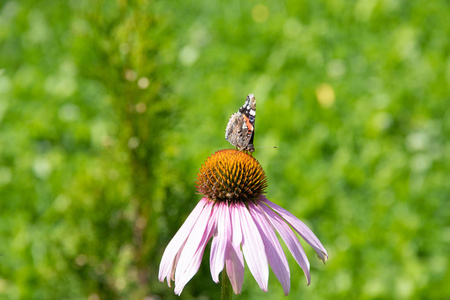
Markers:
<point>227,291</point>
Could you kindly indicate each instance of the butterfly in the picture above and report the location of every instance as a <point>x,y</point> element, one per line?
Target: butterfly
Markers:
<point>241,126</point>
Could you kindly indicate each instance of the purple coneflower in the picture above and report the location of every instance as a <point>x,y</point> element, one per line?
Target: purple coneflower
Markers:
<point>242,222</point>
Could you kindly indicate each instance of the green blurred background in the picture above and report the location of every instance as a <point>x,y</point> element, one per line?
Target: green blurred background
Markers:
<point>108,109</point>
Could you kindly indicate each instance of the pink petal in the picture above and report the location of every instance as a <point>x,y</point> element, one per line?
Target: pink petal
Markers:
<point>253,248</point>
<point>289,238</point>
<point>300,227</point>
<point>191,255</point>
<point>233,256</point>
<point>169,258</point>
<point>220,240</point>
<point>274,251</point>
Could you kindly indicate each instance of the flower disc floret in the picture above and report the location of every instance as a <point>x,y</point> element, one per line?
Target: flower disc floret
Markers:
<point>231,176</point>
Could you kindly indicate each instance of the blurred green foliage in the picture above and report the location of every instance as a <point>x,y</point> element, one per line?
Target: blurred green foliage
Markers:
<point>108,109</point>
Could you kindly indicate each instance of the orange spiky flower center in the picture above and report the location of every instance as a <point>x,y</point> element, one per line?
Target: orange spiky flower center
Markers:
<point>231,176</point>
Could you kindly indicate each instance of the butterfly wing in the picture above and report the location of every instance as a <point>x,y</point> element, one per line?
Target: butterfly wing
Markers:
<point>241,126</point>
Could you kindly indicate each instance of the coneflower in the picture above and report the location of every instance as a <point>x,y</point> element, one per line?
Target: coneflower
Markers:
<point>243,224</point>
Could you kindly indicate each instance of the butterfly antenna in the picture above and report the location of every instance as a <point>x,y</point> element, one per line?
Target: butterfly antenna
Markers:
<point>267,147</point>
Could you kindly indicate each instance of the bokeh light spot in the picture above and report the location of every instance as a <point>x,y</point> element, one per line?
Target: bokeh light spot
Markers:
<point>325,95</point>
<point>61,203</point>
<point>69,112</point>
<point>336,68</point>
<point>141,107</point>
<point>124,48</point>
<point>292,28</point>
<point>130,75</point>
<point>133,142</point>
<point>93,297</point>
<point>143,83</point>
<point>81,260</point>
<point>188,55</point>
<point>141,222</point>
<point>120,283</point>
<point>42,168</point>
<point>260,13</point>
